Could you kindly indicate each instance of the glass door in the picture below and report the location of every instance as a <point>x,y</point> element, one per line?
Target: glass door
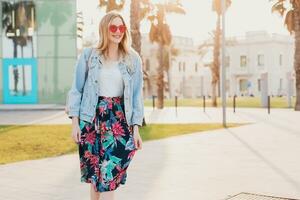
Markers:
<point>19,52</point>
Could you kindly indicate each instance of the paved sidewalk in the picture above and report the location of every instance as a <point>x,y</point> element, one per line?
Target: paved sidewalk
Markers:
<point>166,115</point>
<point>258,158</point>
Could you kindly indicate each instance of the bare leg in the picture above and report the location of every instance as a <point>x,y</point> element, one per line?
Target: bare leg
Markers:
<point>94,195</point>
<point>109,195</point>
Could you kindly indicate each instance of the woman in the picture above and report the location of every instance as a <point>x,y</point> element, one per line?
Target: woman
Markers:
<point>106,107</point>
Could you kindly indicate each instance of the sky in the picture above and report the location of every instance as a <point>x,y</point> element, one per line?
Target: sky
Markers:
<point>199,20</point>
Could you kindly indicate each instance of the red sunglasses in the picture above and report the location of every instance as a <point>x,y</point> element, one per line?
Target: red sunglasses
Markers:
<point>114,28</point>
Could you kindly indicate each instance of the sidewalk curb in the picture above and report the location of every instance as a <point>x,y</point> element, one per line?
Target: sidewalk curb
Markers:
<point>31,107</point>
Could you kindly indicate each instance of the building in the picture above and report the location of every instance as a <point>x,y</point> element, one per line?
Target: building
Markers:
<point>186,77</point>
<point>37,50</point>
<point>256,64</point>
<point>260,63</point>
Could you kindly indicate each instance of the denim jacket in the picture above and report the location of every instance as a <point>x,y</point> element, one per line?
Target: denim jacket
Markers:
<point>83,95</point>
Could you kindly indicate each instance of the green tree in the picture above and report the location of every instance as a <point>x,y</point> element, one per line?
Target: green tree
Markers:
<point>290,10</point>
<point>215,68</point>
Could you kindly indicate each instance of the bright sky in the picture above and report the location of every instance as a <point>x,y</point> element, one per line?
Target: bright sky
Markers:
<point>199,20</point>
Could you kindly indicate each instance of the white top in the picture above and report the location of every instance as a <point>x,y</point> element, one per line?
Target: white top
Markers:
<point>110,80</point>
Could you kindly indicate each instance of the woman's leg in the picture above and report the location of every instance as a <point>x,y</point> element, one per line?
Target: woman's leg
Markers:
<point>94,195</point>
<point>109,195</point>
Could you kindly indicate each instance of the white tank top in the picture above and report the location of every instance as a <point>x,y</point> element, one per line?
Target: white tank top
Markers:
<point>110,80</point>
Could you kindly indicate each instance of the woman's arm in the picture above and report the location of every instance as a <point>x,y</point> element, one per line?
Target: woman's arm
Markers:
<point>138,103</point>
<point>76,90</point>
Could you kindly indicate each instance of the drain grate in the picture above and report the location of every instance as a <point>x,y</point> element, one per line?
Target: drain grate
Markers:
<point>249,196</point>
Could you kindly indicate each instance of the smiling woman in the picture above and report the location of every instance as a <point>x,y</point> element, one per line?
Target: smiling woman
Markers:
<point>106,107</point>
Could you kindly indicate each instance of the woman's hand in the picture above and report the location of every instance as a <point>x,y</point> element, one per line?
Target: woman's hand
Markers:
<point>76,132</point>
<point>137,138</point>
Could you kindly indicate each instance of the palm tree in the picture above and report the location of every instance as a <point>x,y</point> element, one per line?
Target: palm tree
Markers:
<point>291,10</point>
<point>171,56</point>
<point>216,6</point>
<point>161,34</point>
<point>112,4</point>
<point>138,10</point>
<point>135,20</point>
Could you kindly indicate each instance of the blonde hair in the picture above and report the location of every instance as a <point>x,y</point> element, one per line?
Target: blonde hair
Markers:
<point>102,47</point>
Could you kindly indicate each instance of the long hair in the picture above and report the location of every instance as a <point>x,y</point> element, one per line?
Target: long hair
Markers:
<point>124,45</point>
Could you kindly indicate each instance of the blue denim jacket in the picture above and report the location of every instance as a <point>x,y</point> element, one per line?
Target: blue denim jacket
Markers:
<point>83,97</point>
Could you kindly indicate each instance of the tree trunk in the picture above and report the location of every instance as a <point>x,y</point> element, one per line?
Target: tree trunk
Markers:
<point>169,57</point>
<point>135,25</point>
<point>135,30</point>
<point>297,57</point>
<point>160,79</point>
<point>214,94</point>
<point>216,63</point>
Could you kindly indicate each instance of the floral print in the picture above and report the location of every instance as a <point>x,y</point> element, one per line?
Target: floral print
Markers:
<point>106,145</point>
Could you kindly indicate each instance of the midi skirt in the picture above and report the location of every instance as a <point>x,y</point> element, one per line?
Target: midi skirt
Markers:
<point>106,145</point>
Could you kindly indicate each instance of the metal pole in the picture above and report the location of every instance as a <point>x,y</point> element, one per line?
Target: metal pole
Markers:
<point>153,101</point>
<point>269,104</point>
<point>203,103</point>
<point>223,64</point>
<point>176,104</point>
<point>234,102</point>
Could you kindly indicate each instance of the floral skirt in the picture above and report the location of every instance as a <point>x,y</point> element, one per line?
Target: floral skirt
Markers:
<point>106,145</point>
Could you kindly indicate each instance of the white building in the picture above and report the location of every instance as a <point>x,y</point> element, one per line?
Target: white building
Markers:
<point>260,63</point>
<point>187,75</point>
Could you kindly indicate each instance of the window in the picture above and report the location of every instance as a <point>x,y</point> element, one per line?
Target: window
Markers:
<point>243,61</point>
<point>243,85</point>
<point>196,67</point>
<point>280,84</point>
<point>227,61</point>
<point>179,66</point>
<point>259,85</point>
<point>260,60</point>
<point>19,42</point>
<point>183,66</point>
<point>280,59</point>
<point>19,29</point>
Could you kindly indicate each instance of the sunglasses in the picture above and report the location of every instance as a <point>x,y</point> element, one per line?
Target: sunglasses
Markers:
<point>114,28</point>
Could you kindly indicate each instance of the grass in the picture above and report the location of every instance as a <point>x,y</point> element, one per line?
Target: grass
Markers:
<point>19,143</point>
<point>159,131</point>
<point>246,102</point>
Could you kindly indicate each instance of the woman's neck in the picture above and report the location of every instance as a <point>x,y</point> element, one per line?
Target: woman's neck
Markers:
<point>113,53</point>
